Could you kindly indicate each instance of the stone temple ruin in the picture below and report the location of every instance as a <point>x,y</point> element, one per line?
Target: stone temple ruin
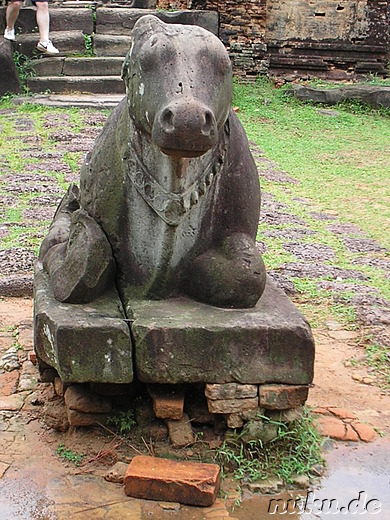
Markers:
<point>149,276</point>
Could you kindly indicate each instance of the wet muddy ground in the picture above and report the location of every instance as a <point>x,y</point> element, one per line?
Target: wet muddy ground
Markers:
<point>35,483</point>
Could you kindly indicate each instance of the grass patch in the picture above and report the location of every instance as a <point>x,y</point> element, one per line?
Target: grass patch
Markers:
<point>341,162</point>
<point>295,449</point>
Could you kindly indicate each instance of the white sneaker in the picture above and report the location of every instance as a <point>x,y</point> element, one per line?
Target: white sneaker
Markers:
<point>9,34</point>
<point>47,48</point>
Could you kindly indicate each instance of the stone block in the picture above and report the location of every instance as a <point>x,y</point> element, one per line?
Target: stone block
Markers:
<point>168,401</point>
<point>232,405</point>
<point>230,391</point>
<point>84,343</point>
<point>189,483</point>
<point>79,398</point>
<point>180,432</point>
<point>234,420</point>
<point>282,397</point>
<point>180,340</point>
<point>55,414</point>
<point>121,21</point>
<point>9,78</point>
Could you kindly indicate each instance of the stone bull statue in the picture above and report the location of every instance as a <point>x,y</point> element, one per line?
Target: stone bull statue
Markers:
<point>169,197</point>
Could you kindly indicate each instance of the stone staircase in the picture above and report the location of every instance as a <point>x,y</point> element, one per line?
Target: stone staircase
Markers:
<point>93,41</point>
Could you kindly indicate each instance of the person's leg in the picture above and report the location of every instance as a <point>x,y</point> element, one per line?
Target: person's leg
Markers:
<point>43,20</point>
<point>11,16</point>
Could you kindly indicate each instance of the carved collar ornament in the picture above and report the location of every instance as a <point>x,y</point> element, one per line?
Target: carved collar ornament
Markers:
<point>169,206</point>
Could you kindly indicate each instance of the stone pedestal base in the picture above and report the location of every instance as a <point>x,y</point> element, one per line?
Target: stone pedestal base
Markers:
<point>182,341</point>
<point>87,343</point>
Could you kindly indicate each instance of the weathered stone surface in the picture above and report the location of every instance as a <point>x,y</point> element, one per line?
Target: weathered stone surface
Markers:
<point>89,343</point>
<point>282,397</point>
<point>230,391</point>
<point>81,268</point>
<point>145,196</point>
<point>161,479</point>
<point>119,21</point>
<point>55,414</point>
<point>259,430</point>
<point>232,405</point>
<point>180,432</point>
<point>79,398</point>
<point>76,418</point>
<point>59,386</point>
<point>168,401</point>
<point>179,340</point>
<point>9,81</point>
<point>234,420</point>
<point>373,95</point>
<point>116,474</point>
<point>13,402</point>
<point>63,19</point>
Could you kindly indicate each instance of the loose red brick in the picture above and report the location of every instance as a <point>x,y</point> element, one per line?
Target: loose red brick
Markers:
<point>168,401</point>
<point>232,405</point>
<point>189,483</point>
<point>282,397</point>
<point>366,433</point>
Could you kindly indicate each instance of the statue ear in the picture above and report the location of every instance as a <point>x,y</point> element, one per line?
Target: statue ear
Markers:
<point>126,64</point>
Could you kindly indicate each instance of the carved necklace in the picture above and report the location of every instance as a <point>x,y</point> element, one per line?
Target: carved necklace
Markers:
<point>169,206</point>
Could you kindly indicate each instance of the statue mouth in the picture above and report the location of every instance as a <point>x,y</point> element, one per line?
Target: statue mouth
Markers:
<point>182,154</point>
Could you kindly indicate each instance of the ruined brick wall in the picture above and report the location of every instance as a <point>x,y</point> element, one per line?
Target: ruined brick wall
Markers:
<point>330,38</point>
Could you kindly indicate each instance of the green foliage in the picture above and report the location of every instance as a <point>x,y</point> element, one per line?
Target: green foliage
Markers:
<point>296,448</point>
<point>24,69</point>
<point>123,421</point>
<point>69,455</point>
<point>89,48</point>
<point>378,357</point>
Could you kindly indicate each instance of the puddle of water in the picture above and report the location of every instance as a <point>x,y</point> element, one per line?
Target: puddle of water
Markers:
<point>357,485</point>
<point>20,499</point>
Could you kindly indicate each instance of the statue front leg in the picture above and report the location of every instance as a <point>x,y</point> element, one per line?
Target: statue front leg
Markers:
<point>231,275</point>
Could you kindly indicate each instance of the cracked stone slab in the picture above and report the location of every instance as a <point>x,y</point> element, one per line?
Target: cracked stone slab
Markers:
<point>84,343</point>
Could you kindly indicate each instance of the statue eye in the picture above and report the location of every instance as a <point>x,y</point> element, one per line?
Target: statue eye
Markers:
<point>156,53</point>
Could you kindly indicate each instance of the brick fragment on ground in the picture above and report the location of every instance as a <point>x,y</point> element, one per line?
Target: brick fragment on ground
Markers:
<point>350,434</point>
<point>180,432</point>
<point>331,427</point>
<point>366,433</point>
<point>189,483</point>
<point>342,413</point>
<point>282,397</point>
<point>230,391</point>
<point>168,401</point>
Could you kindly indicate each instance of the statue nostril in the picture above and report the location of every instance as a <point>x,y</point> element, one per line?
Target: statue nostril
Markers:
<point>208,127</point>
<point>167,120</point>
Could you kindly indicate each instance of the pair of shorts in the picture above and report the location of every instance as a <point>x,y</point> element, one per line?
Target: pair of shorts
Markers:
<point>32,1</point>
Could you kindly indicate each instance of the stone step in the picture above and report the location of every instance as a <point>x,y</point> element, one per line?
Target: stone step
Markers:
<point>120,21</point>
<point>64,66</point>
<point>111,45</point>
<point>67,42</point>
<point>61,19</point>
<point>69,84</point>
